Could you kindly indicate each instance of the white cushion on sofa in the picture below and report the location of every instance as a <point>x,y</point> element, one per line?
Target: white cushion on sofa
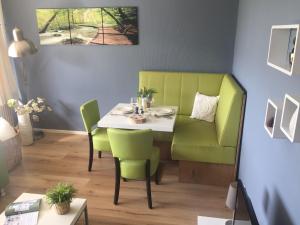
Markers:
<point>205,107</point>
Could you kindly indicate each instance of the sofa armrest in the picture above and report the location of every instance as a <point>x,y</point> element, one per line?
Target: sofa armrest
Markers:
<point>228,115</point>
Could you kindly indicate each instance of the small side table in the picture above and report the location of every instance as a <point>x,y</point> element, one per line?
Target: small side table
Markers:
<point>48,216</point>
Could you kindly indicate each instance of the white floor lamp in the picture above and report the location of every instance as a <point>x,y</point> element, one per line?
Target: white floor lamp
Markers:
<point>19,48</point>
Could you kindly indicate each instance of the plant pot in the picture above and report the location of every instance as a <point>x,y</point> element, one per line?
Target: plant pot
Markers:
<point>62,208</point>
<point>25,129</point>
<point>146,103</point>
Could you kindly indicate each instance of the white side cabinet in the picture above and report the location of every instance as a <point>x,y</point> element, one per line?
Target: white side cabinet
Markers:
<point>290,122</point>
<point>284,49</point>
<point>272,119</point>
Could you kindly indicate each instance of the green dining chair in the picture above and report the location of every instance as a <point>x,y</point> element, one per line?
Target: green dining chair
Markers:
<point>98,139</point>
<point>135,158</point>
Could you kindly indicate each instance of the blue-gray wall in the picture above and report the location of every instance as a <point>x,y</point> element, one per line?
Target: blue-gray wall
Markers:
<point>269,167</point>
<point>194,35</point>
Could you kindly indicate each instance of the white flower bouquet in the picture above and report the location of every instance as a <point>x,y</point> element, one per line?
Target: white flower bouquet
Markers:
<point>37,105</point>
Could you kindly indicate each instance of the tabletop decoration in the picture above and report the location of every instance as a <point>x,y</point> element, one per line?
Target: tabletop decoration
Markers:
<point>138,119</point>
<point>61,196</point>
<point>147,96</point>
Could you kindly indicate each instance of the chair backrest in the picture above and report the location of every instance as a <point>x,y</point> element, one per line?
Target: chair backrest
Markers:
<point>131,144</point>
<point>90,114</point>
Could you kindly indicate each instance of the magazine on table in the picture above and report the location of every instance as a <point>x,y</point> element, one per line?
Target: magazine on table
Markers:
<point>22,213</point>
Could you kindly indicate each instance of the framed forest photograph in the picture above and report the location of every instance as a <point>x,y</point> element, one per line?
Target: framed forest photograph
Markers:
<point>88,26</point>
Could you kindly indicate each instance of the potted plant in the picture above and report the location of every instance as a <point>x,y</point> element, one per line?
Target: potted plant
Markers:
<point>61,196</point>
<point>23,111</point>
<point>147,96</point>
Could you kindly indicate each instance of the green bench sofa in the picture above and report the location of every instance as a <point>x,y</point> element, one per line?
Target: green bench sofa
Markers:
<point>201,147</point>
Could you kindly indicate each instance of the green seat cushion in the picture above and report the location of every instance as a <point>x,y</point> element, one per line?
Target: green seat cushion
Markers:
<point>100,140</point>
<point>135,169</point>
<point>196,140</point>
<point>162,136</point>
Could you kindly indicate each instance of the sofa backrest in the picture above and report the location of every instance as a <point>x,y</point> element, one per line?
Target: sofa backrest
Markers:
<point>228,114</point>
<point>179,89</point>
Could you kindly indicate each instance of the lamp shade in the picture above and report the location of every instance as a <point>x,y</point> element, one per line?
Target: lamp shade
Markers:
<point>20,46</point>
<point>6,130</point>
<point>231,196</point>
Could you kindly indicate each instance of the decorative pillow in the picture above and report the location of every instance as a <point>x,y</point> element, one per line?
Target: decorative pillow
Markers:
<point>205,107</point>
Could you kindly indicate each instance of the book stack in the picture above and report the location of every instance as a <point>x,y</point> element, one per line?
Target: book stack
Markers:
<point>25,213</point>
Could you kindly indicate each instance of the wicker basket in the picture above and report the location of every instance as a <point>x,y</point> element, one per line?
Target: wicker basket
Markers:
<point>62,208</point>
<point>13,151</point>
<point>138,119</point>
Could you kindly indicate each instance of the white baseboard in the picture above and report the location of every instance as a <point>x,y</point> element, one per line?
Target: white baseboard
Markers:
<point>61,131</point>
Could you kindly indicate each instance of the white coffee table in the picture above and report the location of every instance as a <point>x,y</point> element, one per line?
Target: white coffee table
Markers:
<point>163,124</point>
<point>203,220</point>
<point>48,216</point>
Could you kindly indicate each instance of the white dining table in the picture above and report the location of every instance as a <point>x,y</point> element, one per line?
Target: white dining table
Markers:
<point>155,123</point>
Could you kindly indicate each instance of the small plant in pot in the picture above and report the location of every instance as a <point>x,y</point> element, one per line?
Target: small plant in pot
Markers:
<point>147,96</point>
<point>61,197</point>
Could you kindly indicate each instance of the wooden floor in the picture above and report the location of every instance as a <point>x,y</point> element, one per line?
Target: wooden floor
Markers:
<point>61,157</point>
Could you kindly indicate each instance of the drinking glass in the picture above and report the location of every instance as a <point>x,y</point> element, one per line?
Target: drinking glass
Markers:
<point>133,102</point>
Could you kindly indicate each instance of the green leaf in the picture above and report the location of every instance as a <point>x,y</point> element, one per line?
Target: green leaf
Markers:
<point>60,193</point>
<point>146,93</point>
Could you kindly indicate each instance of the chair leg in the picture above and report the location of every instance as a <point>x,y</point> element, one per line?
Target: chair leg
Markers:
<point>158,174</point>
<point>117,180</point>
<point>91,157</point>
<point>148,184</point>
<point>99,154</point>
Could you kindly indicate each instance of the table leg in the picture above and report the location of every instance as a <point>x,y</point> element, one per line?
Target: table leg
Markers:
<point>86,217</point>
